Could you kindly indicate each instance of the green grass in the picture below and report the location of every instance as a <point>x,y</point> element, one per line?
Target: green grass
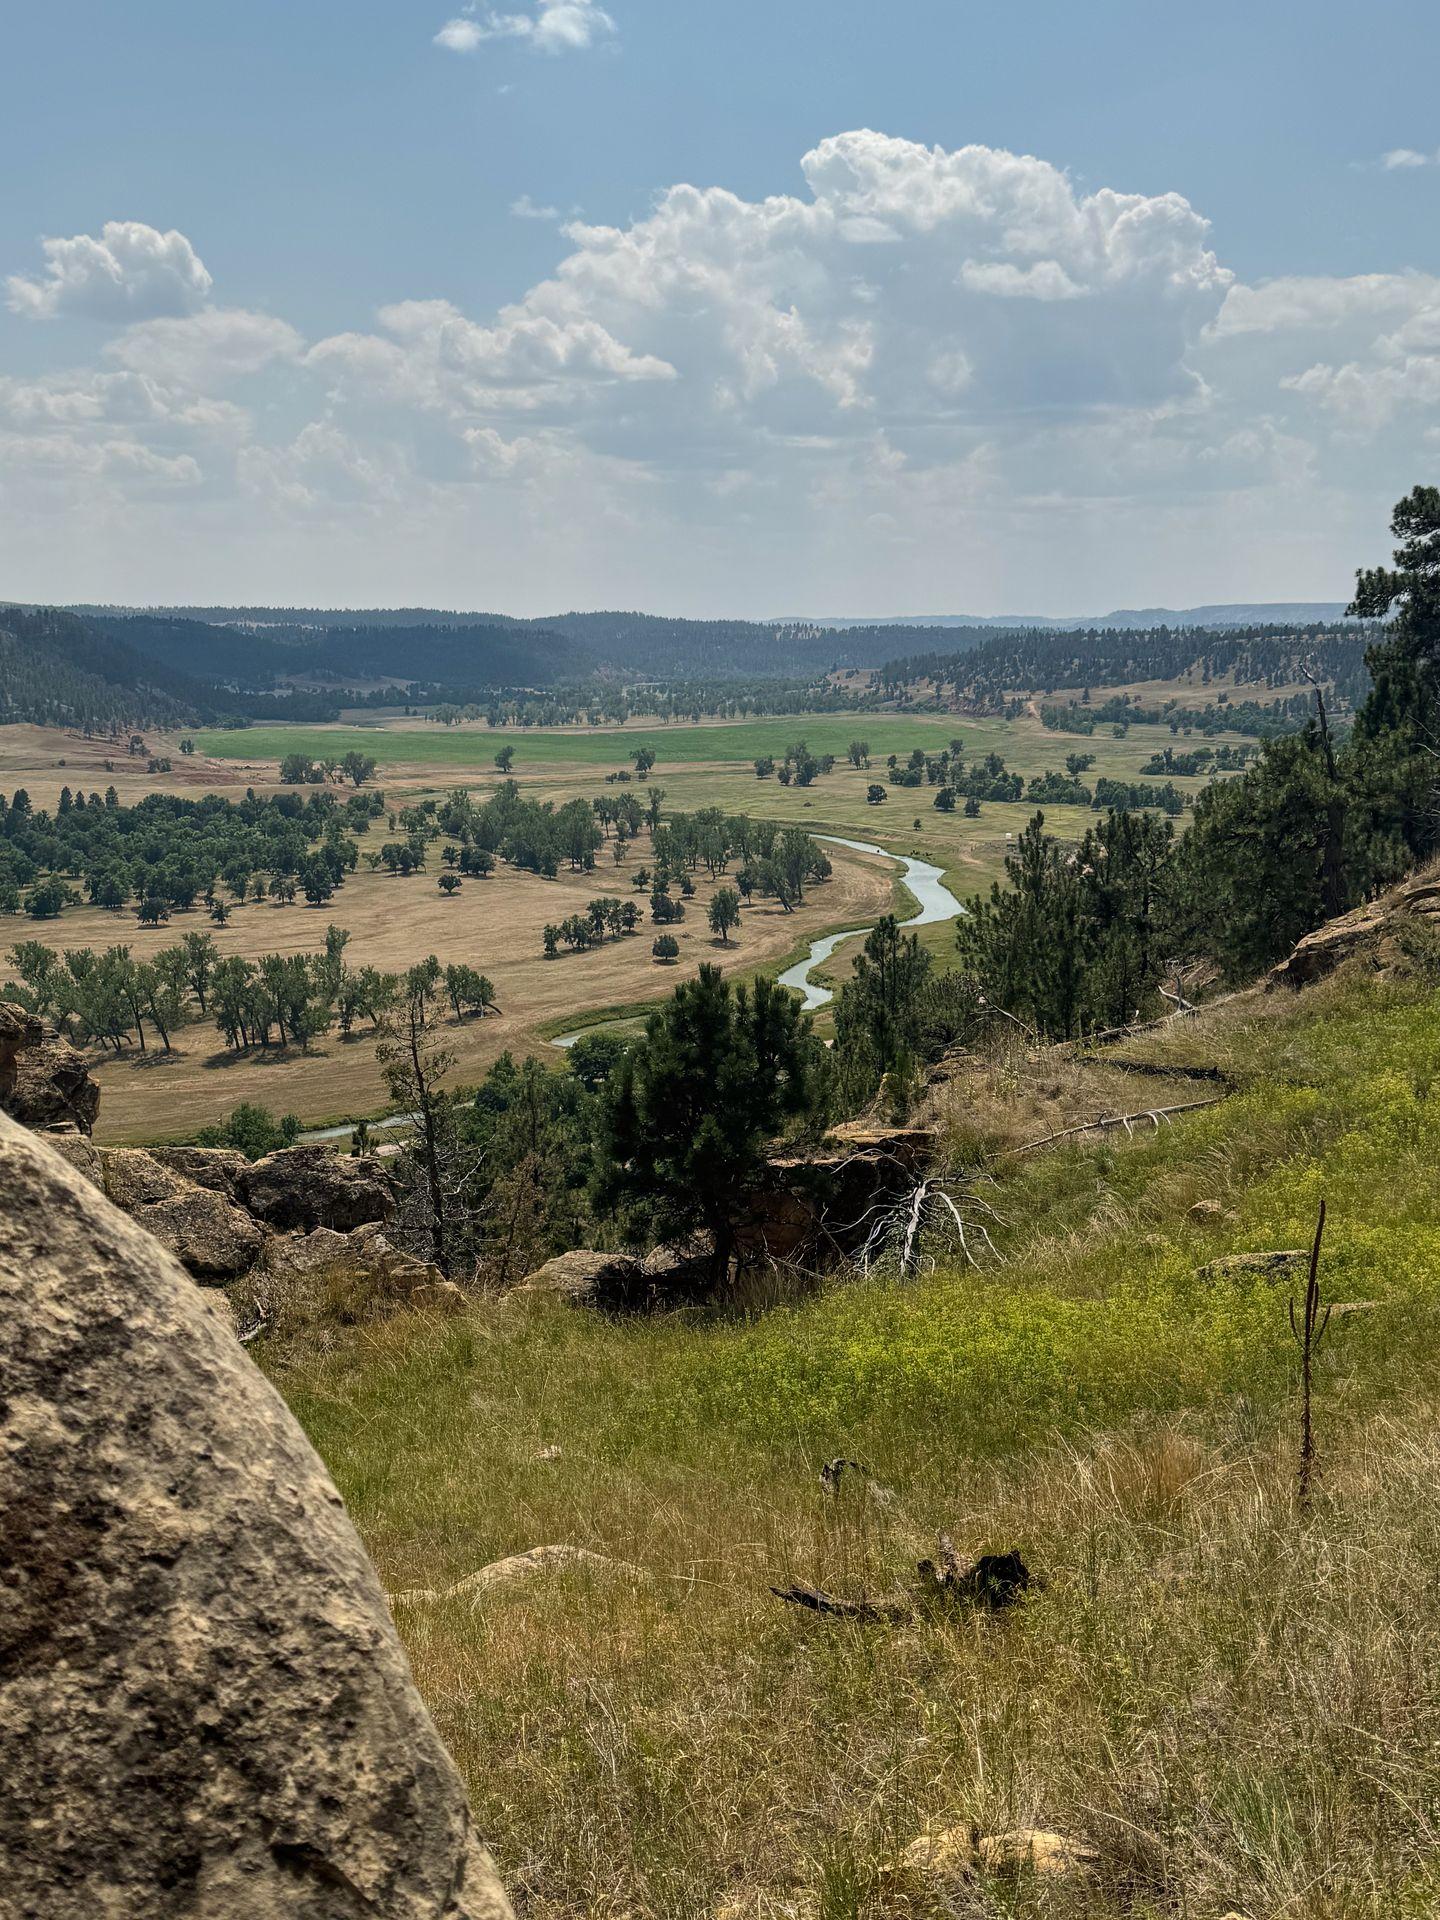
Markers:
<point>710,765</point>
<point>1235,1704</point>
<point>476,745</point>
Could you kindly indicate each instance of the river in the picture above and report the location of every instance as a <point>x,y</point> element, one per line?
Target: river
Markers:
<point>926,882</point>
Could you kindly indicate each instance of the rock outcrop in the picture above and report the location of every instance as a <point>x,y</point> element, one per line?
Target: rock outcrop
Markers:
<point>1375,933</point>
<point>610,1281</point>
<point>43,1080</point>
<point>817,1208</point>
<point>301,1188</point>
<point>211,1238</point>
<point>204,1709</point>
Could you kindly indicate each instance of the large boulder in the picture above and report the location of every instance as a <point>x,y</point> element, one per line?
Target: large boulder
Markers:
<point>813,1208</point>
<point>218,1168</point>
<point>208,1236</point>
<point>301,1188</point>
<point>43,1080</point>
<point>133,1178</point>
<point>585,1279</point>
<point>204,1708</point>
<point>19,1031</point>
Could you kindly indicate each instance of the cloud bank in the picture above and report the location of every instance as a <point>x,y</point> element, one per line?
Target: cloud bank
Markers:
<point>929,380</point>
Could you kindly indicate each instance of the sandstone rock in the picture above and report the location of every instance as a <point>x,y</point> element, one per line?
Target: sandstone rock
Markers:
<point>1321,952</point>
<point>438,1296</point>
<point>1048,1854</point>
<point>585,1279</point>
<point>19,1031</point>
<point>295,1256</point>
<point>79,1151</point>
<point>133,1178</point>
<point>43,1080</point>
<point>948,1857</point>
<point>944,1858</point>
<point>218,1168</point>
<point>214,1240</point>
<point>308,1187</point>
<point>204,1709</point>
<point>504,1573</point>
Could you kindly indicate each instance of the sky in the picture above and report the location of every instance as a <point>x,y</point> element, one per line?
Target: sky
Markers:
<point>763,310</point>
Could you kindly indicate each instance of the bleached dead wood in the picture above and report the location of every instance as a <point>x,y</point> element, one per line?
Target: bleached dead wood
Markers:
<point>1155,1115</point>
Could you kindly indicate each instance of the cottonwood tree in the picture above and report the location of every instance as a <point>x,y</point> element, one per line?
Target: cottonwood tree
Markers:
<point>724,912</point>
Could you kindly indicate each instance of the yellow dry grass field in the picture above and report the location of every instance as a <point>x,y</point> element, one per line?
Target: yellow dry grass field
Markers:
<point>494,924</point>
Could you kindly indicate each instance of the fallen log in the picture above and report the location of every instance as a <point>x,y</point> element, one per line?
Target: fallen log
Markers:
<point>994,1581</point>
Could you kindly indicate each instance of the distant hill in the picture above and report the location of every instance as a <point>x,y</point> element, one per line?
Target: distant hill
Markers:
<point>190,664</point>
<point>251,646</point>
<point>990,669</point>
<point>59,671</point>
<point>1239,613</point>
<point>259,655</point>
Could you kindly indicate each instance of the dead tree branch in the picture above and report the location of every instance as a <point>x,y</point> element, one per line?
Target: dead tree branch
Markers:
<point>1155,1115</point>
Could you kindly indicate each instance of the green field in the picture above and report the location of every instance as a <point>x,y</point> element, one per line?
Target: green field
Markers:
<point>475,745</point>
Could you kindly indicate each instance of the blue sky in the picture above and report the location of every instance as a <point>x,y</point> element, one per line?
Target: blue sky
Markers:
<point>1066,307</point>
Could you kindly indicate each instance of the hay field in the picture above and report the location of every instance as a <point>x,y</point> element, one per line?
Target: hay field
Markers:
<point>492,924</point>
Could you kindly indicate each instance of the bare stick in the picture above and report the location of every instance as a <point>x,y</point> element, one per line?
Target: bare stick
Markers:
<point>1308,1336</point>
<point>1127,1120</point>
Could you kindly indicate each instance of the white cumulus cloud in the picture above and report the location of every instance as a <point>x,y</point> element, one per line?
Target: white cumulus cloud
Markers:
<point>890,385</point>
<point>130,272</point>
<point>555,26</point>
<point>209,348</point>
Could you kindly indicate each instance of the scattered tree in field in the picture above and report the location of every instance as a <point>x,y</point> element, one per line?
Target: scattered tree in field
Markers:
<point>469,991</point>
<point>724,913</point>
<point>859,753</point>
<point>357,768</point>
<point>449,883</point>
<point>665,947</point>
<point>48,899</point>
<point>644,758</point>
<point>505,758</point>
<point>875,794</point>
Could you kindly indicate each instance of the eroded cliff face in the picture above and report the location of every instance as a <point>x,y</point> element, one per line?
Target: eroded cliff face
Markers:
<point>204,1707</point>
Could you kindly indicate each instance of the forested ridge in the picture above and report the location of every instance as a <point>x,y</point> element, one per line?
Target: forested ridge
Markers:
<point>229,665</point>
<point>60,671</point>
<point>1039,660</point>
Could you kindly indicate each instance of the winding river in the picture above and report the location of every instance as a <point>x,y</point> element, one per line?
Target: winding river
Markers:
<point>926,882</point>
<point>935,900</point>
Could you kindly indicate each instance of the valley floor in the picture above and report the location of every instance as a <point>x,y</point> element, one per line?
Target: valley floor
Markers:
<point>1236,1704</point>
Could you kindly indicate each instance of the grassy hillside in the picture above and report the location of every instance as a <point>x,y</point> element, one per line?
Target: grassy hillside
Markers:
<point>1233,1702</point>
